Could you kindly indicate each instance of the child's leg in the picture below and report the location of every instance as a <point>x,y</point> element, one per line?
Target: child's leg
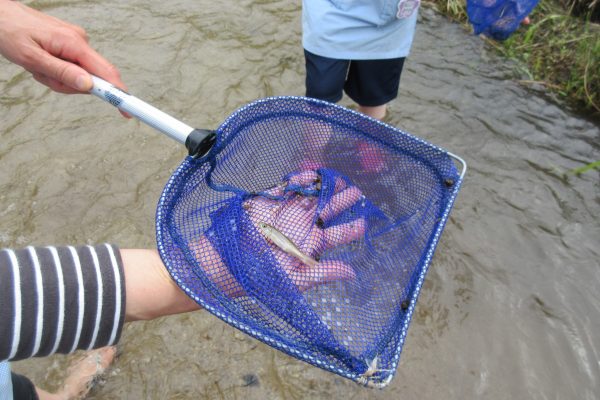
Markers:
<point>374,83</point>
<point>377,112</point>
<point>325,78</point>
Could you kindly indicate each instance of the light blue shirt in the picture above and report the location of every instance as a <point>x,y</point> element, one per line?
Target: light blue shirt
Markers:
<point>359,29</point>
<point>6,392</point>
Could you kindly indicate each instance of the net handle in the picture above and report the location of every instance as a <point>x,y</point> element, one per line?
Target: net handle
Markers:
<point>197,141</point>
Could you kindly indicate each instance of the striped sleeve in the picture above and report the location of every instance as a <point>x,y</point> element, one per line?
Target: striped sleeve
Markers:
<point>60,299</point>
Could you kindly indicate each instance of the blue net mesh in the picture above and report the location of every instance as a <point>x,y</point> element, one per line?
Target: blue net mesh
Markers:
<point>498,19</point>
<point>310,227</point>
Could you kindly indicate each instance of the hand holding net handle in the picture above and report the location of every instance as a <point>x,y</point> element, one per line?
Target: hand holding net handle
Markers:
<point>197,141</point>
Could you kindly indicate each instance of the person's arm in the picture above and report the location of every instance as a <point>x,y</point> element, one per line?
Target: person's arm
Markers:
<point>57,53</point>
<point>59,299</point>
<point>62,299</point>
<point>151,292</point>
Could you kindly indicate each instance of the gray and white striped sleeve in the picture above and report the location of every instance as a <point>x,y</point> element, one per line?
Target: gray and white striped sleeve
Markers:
<point>60,299</point>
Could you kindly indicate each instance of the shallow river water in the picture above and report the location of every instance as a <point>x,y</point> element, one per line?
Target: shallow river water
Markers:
<point>510,308</point>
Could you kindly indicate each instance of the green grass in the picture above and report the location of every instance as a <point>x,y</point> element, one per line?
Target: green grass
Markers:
<point>585,168</point>
<point>557,50</point>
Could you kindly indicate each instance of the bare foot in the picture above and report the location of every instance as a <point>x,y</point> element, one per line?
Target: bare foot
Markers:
<point>82,373</point>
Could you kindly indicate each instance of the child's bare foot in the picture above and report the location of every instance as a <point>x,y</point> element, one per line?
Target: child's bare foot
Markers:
<point>82,374</point>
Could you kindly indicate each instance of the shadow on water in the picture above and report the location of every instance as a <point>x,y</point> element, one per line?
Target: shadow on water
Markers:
<point>510,306</point>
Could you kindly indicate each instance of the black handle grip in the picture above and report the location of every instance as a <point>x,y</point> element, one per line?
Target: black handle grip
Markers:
<point>200,141</point>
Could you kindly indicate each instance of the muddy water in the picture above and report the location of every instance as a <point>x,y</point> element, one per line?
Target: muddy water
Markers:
<point>510,307</point>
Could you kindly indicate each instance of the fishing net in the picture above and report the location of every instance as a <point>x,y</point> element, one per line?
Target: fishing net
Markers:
<point>310,227</point>
<point>498,19</point>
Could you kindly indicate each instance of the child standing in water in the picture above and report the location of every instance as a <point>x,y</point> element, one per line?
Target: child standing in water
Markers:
<point>357,47</point>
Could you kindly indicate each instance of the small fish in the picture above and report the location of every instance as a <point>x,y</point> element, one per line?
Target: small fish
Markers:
<point>285,244</point>
<point>372,369</point>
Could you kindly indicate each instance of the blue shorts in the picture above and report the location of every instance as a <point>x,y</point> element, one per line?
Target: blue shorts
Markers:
<point>369,83</point>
